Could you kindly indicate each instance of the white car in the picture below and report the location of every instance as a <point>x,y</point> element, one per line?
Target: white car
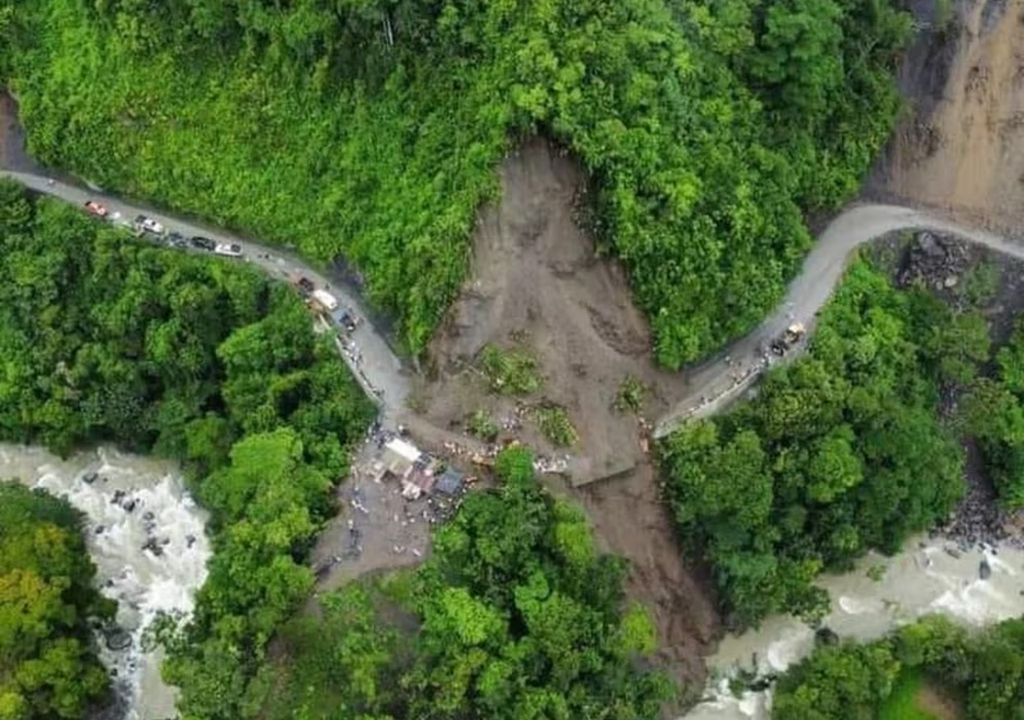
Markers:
<point>228,249</point>
<point>149,225</point>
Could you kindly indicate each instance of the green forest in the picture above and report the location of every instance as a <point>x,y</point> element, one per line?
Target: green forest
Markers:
<point>108,339</point>
<point>516,614</point>
<point>48,665</point>
<point>840,452</point>
<point>995,416</point>
<point>980,676</point>
<point>371,129</point>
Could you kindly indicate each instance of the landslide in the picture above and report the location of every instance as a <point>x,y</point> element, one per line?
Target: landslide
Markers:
<point>960,147</point>
<point>537,282</point>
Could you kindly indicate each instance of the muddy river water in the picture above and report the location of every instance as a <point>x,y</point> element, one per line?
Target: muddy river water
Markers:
<point>146,536</point>
<point>928,576</point>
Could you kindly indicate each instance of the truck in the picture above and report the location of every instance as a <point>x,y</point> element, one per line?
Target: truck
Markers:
<point>793,334</point>
<point>328,301</point>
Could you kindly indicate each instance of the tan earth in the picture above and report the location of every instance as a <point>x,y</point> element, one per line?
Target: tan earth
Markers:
<point>961,147</point>
<point>536,281</point>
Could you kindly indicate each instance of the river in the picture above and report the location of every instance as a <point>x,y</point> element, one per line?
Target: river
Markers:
<point>928,576</point>
<point>146,536</point>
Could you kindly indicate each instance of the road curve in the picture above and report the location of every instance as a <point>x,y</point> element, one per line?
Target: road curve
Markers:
<point>711,385</point>
<point>716,383</point>
<point>380,372</point>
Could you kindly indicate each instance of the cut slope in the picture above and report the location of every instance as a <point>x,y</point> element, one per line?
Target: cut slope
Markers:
<point>962,148</point>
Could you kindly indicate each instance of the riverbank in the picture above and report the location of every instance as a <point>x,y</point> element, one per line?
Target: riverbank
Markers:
<point>146,536</point>
<point>977,587</point>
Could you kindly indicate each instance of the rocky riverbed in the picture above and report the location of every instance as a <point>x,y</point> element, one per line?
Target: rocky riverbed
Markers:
<point>146,536</point>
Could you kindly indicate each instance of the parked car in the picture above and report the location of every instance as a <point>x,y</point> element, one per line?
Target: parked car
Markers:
<point>228,249</point>
<point>94,208</point>
<point>148,224</point>
<point>203,243</point>
<point>306,285</point>
<point>176,239</point>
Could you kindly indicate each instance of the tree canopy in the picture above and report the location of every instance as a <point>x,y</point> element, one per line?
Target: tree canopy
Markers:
<point>105,338</point>
<point>518,615</point>
<point>995,416</point>
<point>983,673</point>
<point>840,451</point>
<point>48,664</point>
<point>372,129</point>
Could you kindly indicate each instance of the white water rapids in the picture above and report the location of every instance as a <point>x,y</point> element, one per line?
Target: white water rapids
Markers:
<point>146,536</point>
<point>922,579</point>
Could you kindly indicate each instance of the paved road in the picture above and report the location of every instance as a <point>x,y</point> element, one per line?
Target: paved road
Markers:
<point>712,385</point>
<point>717,382</point>
<point>368,355</point>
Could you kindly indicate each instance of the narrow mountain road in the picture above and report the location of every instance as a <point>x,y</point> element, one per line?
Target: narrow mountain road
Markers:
<point>716,383</point>
<point>380,372</point>
<point>712,385</point>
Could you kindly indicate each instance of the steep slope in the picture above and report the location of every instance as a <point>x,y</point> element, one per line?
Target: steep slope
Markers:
<point>961,145</point>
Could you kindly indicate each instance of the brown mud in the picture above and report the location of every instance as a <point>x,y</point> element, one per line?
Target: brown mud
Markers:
<point>536,281</point>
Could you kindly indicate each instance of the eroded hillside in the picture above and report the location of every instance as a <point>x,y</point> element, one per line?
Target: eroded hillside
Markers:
<point>961,145</point>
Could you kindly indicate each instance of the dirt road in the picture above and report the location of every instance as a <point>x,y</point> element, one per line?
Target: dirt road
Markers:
<point>713,385</point>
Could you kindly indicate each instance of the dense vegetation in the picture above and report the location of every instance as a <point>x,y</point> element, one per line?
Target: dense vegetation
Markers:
<point>108,339</point>
<point>983,673</point>
<point>841,451</point>
<point>372,128</point>
<point>995,416</point>
<point>48,667</point>
<point>518,616</point>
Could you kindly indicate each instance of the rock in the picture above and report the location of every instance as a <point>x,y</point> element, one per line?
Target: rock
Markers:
<point>826,636</point>
<point>952,552</point>
<point>89,478</point>
<point>984,570</point>
<point>129,506</point>
<point>117,639</point>
<point>148,516</point>
<point>762,683</point>
<point>190,540</point>
<point>950,281</point>
<point>929,244</point>
<point>118,497</point>
<point>100,529</point>
<point>154,547</point>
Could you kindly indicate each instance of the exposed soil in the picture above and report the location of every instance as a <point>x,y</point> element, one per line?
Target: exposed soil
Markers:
<point>937,702</point>
<point>961,145</point>
<point>536,281</point>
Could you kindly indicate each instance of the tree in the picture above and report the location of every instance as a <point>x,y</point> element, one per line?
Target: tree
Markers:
<point>48,665</point>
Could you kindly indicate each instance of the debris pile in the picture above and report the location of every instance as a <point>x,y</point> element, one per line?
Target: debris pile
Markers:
<point>934,262</point>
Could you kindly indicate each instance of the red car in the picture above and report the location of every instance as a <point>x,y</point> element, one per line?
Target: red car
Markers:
<point>95,208</point>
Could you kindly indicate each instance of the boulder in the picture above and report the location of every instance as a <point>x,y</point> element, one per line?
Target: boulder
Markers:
<point>154,547</point>
<point>984,570</point>
<point>930,245</point>
<point>117,639</point>
<point>826,636</point>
